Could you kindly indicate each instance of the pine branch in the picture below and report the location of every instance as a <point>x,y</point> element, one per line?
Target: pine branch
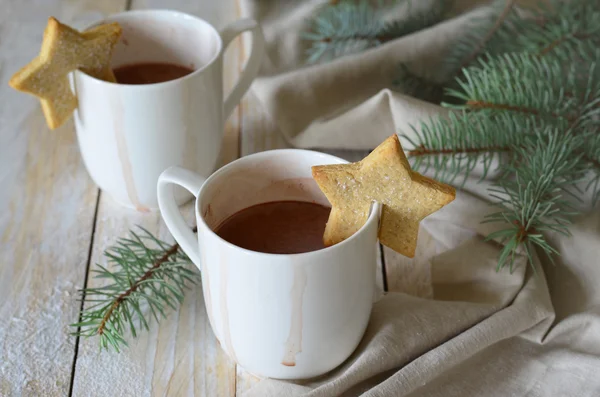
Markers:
<point>493,33</point>
<point>565,31</point>
<point>536,200</point>
<point>510,82</point>
<point>456,146</point>
<point>423,151</point>
<point>171,251</point>
<point>569,31</point>
<point>347,27</point>
<point>539,119</point>
<point>145,275</point>
<point>343,28</point>
<point>481,44</point>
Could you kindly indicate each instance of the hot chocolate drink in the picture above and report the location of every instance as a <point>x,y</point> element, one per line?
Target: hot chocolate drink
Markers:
<point>149,73</point>
<point>280,227</point>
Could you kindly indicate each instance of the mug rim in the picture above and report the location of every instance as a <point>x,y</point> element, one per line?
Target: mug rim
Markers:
<point>202,223</point>
<point>178,14</point>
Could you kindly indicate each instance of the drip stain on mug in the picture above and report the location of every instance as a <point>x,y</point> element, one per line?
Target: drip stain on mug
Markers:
<point>279,227</point>
<point>293,344</point>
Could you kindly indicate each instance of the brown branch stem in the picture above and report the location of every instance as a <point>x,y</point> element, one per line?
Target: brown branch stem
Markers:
<point>523,232</point>
<point>164,258</point>
<point>422,151</point>
<point>562,39</point>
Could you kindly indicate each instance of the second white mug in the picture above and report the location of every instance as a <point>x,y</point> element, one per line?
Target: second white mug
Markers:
<point>289,316</point>
<point>129,134</point>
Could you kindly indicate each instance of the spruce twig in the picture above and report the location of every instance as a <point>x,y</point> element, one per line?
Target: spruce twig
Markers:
<point>547,112</point>
<point>536,200</point>
<point>145,276</point>
<point>346,27</point>
<point>121,298</point>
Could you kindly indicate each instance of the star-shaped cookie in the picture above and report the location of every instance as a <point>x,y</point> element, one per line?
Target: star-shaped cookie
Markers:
<point>384,176</point>
<point>63,50</point>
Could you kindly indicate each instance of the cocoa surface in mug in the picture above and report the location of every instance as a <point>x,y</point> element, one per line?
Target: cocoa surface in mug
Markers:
<point>279,227</point>
<point>150,73</point>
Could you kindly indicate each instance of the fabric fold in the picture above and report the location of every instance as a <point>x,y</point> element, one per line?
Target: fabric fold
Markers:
<point>483,332</point>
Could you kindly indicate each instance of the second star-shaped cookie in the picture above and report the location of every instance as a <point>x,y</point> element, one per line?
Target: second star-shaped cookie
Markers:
<point>63,50</point>
<point>384,176</point>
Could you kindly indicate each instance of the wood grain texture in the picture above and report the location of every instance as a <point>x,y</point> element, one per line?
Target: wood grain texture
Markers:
<point>180,356</point>
<point>47,205</point>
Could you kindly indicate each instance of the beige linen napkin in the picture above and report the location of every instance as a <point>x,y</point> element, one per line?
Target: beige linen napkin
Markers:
<point>483,333</point>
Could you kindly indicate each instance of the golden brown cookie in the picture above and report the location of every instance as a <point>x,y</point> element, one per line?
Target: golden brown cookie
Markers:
<point>63,50</point>
<point>384,176</point>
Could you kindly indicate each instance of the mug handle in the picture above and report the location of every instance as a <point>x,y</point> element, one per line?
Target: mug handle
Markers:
<point>251,70</point>
<point>170,211</point>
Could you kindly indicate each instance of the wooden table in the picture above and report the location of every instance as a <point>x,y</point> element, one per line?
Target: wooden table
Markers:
<point>55,224</point>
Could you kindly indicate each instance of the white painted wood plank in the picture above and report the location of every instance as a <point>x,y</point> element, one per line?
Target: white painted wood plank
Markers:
<point>179,356</point>
<point>47,204</point>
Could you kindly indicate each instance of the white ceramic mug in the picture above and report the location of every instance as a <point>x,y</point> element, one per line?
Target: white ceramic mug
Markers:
<point>283,316</point>
<point>129,134</point>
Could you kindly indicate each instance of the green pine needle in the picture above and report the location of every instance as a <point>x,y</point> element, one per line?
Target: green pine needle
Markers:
<point>454,147</point>
<point>343,28</point>
<point>567,31</point>
<point>536,200</point>
<point>489,33</point>
<point>144,275</point>
<point>510,82</point>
